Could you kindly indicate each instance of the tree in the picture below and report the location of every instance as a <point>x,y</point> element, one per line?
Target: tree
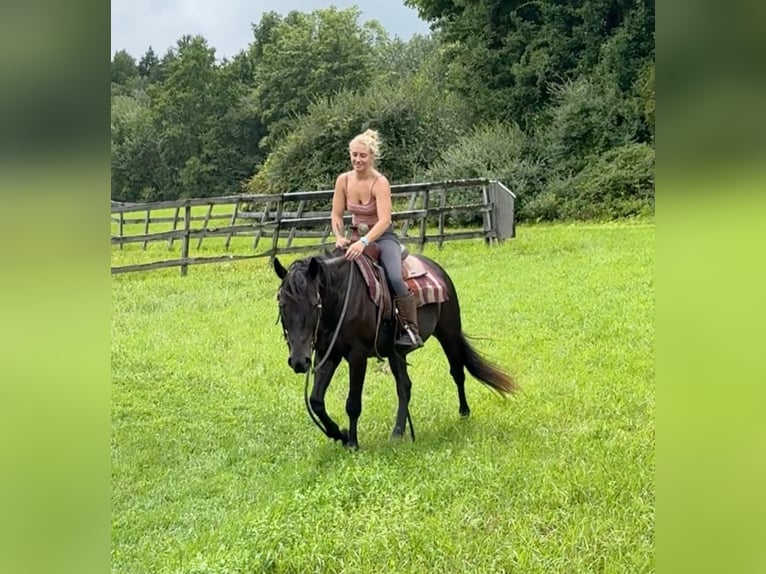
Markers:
<point>506,56</point>
<point>398,60</point>
<point>185,106</point>
<point>539,92</point>
<point>415,119</point>
<point>137,170</point>
<point>149,66</point>
<point>645,90</point>
<point>124,68</point>
<point>307,56</point>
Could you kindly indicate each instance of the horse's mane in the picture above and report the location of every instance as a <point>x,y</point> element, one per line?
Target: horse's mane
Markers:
<point>296,283</point>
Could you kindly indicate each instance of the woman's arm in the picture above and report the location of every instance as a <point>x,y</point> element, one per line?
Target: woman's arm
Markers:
<point>338,209</point>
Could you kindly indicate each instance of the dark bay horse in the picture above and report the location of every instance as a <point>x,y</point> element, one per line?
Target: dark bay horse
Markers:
<point>324,307</point>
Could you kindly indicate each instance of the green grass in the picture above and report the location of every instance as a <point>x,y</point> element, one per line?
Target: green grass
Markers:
<point>216,466</point>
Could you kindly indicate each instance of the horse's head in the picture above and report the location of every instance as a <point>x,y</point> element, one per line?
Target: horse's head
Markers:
<point>299,308</point>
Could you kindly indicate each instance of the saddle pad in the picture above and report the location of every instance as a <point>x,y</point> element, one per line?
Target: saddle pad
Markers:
<point>413,267</point>
<point>426,284</point>
<point>429,287</point>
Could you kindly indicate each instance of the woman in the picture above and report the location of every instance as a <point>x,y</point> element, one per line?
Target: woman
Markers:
<point>366,193</point>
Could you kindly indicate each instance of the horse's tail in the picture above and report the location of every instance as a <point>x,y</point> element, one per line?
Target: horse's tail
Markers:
<point>484,370</point>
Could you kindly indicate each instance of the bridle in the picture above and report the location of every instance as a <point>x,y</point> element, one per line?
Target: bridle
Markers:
<point>315,367</point>
<point>335,334</point>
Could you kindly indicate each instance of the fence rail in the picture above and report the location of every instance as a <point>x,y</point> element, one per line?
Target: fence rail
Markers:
<point>281,219</point>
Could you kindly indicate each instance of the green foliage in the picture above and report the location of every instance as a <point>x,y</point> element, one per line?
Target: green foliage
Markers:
<point>416,121</point>
<point>645,90</point>
<point>619,183</point>
<point>198,134</point>
<point>563,82</point>
<point>491,150</point>
<point>588,116</point>
<point>494,151</point>
<point>124,68</point>
<point>625,54</point>
<point>149,66</point>
<point>543,206</point>
<point>137,168</point>
<point>398,61</point>
<point>506,57</point>
<point>304,55</point>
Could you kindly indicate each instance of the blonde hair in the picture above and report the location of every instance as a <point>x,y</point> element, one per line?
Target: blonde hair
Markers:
<point>369,138</point>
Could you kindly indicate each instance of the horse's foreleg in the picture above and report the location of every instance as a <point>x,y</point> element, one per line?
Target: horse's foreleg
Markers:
<point>322,380</point>
<point>357,369</point>
<point>403,391</point>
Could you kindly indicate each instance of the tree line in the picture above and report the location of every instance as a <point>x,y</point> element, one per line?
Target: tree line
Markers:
<point>555,98</point>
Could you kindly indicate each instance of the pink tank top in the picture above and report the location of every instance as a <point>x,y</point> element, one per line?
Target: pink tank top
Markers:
<point>363,213</point>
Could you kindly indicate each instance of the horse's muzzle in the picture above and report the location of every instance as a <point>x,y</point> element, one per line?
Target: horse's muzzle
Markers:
<point>300,365</point>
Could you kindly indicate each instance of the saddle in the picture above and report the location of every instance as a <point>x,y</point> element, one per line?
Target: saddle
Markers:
<point>426,284</point>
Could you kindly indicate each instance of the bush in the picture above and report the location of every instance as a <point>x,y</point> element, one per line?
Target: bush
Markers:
<point>589,116</point>
<point>493,151</point>
<point>544,206</point>
<point>415,121</point>
<point>618,183</point>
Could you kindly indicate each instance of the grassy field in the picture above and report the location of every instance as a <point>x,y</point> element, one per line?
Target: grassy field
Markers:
<point>216,466</point>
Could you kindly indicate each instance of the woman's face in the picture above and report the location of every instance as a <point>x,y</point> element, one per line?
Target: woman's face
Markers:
<point>361,158</point>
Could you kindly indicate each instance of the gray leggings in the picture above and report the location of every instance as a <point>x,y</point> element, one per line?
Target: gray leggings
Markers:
<point>391,260</point>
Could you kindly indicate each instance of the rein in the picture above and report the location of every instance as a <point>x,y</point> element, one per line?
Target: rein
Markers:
<point>314,369</point>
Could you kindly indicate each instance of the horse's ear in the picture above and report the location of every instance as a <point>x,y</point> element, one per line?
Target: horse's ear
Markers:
<point>314,265</point>
<point>280,270</point>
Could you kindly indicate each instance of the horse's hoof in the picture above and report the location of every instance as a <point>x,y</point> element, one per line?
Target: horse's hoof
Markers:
<point>352,446</point>
<point>343,436</point>
<point>465,414</point>
<point>397,435</point>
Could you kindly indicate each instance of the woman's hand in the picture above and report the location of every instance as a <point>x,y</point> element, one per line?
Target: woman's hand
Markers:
<point>342,242</point>
<point>355,250</point>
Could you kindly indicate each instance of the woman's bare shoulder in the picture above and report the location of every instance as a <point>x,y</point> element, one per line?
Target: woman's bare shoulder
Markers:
<point>342,177</point>
<point>381,179</point>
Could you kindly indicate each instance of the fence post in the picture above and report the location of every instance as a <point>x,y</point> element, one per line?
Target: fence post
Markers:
<point>424,220</point>
<point>186,238</point>
<point>122,225</point>
<point>275,237</point>
<point>146,227</point>
<point>442,203</point>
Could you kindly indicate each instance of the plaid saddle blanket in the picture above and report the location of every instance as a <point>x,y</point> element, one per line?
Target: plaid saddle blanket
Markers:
<point>424,281</point>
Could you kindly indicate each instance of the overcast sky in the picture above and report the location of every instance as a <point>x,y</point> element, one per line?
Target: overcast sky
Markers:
<point>226,24</point>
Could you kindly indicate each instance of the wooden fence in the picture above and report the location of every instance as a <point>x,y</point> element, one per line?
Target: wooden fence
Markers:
<point>275,221</point>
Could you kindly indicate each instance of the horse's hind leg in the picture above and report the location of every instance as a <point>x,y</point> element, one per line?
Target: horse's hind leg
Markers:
<point>403,391</point>
<point>454,350</point>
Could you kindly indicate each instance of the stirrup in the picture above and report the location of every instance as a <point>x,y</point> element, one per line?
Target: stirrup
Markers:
<point>407,341</point>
